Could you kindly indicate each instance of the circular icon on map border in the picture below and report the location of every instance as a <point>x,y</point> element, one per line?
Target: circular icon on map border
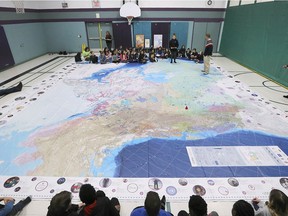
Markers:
<point>132,188</point>
<point>17,189</point>
<point>223,190</point>
<point>199,190</point>
<point>105,182</point>
<point>233,182</point>
<point>171,190</point>
<point>34,179</point>
<point>75,188</point>
<point>155,184</point>
<point>284,182</point>
<point>11,182</point>
<point>211,182</point>
<point>183,182</point>
<point>41,186</point>
<point>61,181</point>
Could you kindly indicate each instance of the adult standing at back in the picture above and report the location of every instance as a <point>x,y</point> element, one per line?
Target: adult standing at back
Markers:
<point>207,53</point>
<point>173,45</point>
<point>108,39</point>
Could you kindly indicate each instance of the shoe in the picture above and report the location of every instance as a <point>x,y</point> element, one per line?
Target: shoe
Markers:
<point>203,71</point>
<point>27,200</point>
<point>175,61</point>
<point>171,62</point>
<point>19,86</point>
<point>285,96</point>
<point>163,202</point>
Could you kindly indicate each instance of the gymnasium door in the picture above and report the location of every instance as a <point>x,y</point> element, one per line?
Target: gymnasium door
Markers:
<point>200,29</point>
<point>164,29</point>
<point>96,34</point>
<point>122,35</point>
<point>6,57</point>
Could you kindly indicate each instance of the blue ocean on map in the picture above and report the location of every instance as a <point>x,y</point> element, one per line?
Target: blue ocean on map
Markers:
<point>159,157</point>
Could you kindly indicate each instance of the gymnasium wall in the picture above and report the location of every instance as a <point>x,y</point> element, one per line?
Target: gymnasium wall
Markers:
<point>256,36</point>
<point>62,36</point>
<point>53,30</point>
<point>26,41</point>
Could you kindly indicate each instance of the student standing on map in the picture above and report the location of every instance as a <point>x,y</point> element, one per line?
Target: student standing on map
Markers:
<point>207,54</point>
<point>173,44</point>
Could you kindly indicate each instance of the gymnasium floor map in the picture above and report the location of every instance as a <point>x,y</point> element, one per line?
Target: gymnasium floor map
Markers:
<point>130,128</point>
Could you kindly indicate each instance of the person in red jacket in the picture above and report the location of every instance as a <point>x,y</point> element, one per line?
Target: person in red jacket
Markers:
<point>207,53</point>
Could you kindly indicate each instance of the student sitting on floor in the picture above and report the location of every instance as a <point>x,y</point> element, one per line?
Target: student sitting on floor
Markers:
<point>200,58</point>
<point>277,205</point>
<point>86,54</point>
<point>142,57</point>
<point>188,53</point>
<point>160,53</point>
<point>242,208</point>
<point>108,55</point>
<point>78,57</point>
<point>198,207</point>
<point>61,205</point>
<point>93,58</point>
<point>17,88</point>
<point>124,57</point>
<point>100,205</point>
<point>182,52</point>
<point>120,50</point>
<point>103,58</point>
<point>194,54</point>
<point>167,54</point>
<point>9,209</point>
<point>115,57</point>
<point>133,56</point>
<point>152,57</point>
<point>152,207</point>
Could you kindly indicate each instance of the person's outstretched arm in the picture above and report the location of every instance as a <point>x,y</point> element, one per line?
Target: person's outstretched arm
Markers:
<point>7,208</point>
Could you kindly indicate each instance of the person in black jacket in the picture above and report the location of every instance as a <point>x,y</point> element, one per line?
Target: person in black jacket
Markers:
<point>95,205</point>
<point>182,52</point>
<point>142,57</point>
<point>60,205</point>
<point>207,54</point>
<point>173,44</point>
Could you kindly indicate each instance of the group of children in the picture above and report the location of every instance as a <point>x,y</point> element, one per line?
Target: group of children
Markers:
<point>133,55</point>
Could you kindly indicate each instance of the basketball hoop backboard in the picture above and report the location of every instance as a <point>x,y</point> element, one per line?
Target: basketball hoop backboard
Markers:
<point>130,10</point>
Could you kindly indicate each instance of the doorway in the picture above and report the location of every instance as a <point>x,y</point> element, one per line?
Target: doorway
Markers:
<point>96,32</point>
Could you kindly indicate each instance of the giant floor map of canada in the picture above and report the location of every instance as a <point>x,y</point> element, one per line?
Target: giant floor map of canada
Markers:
<point>142,120</point>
